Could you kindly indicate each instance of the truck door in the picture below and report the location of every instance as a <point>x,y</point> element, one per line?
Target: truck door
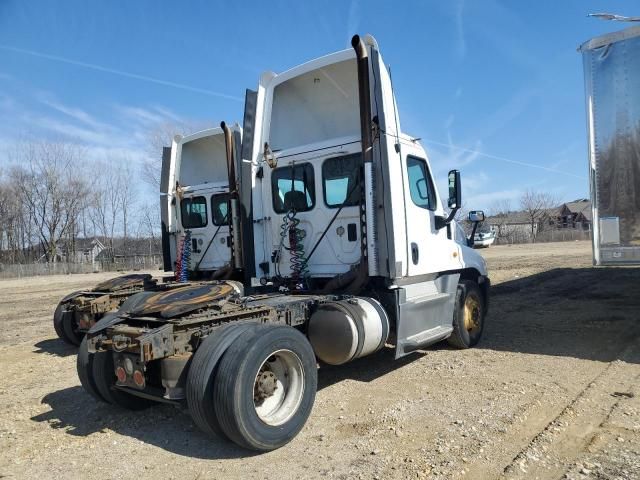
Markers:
<point>428,249</point>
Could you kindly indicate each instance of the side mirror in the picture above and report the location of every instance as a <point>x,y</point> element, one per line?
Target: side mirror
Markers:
<point>455,200</point>
<point>455,191</point>
<point>476,216</point>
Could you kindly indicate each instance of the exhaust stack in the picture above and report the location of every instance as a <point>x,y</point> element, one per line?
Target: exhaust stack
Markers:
<point>234,202</point>
<point>366,142</point>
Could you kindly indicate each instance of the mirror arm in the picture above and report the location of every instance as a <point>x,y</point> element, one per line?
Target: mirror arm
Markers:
<point>472,239</point>
<point>442,222</point>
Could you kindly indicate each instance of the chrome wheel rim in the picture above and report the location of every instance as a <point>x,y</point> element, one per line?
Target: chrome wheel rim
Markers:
<point>278,387</point>
<point>472,314</point>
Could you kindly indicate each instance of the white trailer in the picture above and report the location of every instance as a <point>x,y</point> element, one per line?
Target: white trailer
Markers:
<point>612,84</point>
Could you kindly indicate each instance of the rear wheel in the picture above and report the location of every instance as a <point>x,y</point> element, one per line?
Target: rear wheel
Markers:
<point>70,328</point>
<point>57,322</point>
<point>84,366</point>
<point>468,315</point>
<point>104,378</point>
<point>202,374</point>
<point>265,387</point>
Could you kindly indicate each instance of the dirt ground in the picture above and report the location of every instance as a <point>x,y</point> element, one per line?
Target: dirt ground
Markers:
<point>551,392</point>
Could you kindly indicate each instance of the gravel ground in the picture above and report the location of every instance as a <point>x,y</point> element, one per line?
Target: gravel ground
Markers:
<point>551,392</point>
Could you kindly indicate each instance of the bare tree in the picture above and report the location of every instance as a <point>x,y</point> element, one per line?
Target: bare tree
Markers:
<point>127,197</point>
<point>148,222</point>
<point>500,212</point>
<point>537,207</point>
<point>106,201</point>
<point>500,207</point>
<point>51,192</point>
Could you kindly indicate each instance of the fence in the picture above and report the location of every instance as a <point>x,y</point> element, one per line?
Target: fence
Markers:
<point>555,235</point>
<point>137,262</point>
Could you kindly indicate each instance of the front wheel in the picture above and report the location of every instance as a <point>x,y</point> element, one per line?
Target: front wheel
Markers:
<point>468,315</point>
<point>265,387</point>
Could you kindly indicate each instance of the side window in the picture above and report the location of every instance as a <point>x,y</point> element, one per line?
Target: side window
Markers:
<point>420,186</point>
<point>293,188</point>
<point>339,180</point>
<point>220,211</point>
<point>194,212</point>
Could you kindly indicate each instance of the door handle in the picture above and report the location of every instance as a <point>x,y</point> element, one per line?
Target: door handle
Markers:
<point>415,255</point>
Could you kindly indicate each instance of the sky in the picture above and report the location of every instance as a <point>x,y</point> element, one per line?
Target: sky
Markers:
<point>493,88</point>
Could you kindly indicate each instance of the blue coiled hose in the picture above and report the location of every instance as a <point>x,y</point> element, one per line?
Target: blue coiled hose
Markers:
<point>185,258</point>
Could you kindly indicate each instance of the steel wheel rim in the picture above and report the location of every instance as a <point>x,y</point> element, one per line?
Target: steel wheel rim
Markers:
<point>278,387</point>
<point>472,314</point>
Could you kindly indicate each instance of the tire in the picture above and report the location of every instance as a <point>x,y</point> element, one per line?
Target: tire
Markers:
<point>104,378</point>
<point>57,322</point>
<point>275,420</point>
<point>202,374</point>
<point>84,367</point>
<point>468,316</point>
<point>70,329</point>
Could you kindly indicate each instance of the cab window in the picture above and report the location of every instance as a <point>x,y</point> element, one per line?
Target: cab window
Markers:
<point>340,179</point>
<point>194,212</point>
<point>420,184</point>
<point>293,188</point>
<point>220,211</point>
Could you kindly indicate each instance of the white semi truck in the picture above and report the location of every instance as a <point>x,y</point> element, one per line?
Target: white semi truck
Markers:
<point>198,185</point>
<point>347,247</point>
<point>197,241</point>
<point>612,84</point>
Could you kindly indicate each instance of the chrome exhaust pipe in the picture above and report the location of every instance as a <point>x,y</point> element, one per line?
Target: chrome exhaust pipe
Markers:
<point>363,95</point>
<point>231,167</point>
<point>234,201</point>
<point>366,141</point>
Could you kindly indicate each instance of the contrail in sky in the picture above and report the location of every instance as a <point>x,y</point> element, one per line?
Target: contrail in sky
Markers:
<point>503,159</point>
<point>113,71</point>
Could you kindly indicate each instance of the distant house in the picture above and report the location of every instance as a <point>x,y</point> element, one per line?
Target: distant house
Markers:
<point>512,227</point>
<point>576,214</point>
<point>83,250</point>
<point>515,227</point>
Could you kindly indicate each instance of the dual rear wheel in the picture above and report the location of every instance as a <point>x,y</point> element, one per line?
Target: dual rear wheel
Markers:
<point>260,391</point>
<point>254,384</point>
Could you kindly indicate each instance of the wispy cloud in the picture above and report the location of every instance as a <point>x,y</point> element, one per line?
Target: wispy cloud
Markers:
<point>75,113</point>
<point>473,154</point>
<point>487,199</point>
<point>495,121</point>
<point>122,73</point>
<point>121,135</point>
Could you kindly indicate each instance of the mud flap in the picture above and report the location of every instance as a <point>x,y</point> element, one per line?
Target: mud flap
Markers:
<point>425,313</point>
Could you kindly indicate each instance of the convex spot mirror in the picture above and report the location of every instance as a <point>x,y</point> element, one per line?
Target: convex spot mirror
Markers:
<point>455,191</point>
<point>476,216</point>
<point>421,185</point>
